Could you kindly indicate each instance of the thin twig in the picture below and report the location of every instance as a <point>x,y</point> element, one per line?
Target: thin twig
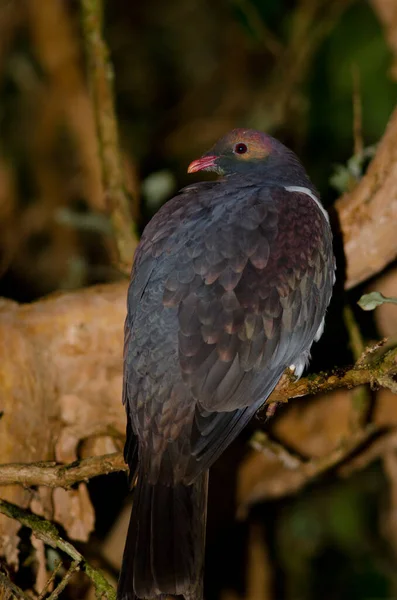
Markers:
<point>370,350</point>
<point>377,448</point>
<point>304,472</point>
<point>15,591</point>
<point>75,566</point>
<point>100,74</point>
<point>355,338</point>
<point>361,397</point>
<point>47,531</point>
<point>388,382</point>
<point>43,592</point>
<point>315,466</point>
<point>261,442</point>
<point>259,27</point>
<point>357,112</point>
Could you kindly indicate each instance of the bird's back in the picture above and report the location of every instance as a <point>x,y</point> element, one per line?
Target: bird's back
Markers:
<point>229,291</point>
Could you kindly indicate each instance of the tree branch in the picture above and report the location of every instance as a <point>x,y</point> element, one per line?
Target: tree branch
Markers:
<point>368,214</point>
<point>51,579</point>
<point>372,373</point>
<point>100,74</point>
<point>75,566</point>
<point>304,471</point>
<point>53,475</point>
<point>380,373</point>
<point>387,15</point>
<point>46,531</point>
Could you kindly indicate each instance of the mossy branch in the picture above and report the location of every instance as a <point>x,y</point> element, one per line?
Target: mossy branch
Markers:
<point>100,75</point>
<point>380,373</point>
<point>49,534</point>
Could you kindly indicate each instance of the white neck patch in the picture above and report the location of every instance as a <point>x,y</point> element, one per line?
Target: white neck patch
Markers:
<point>305,190</point>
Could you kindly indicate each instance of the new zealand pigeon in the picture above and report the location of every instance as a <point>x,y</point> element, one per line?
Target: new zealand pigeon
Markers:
<point>229,287</point>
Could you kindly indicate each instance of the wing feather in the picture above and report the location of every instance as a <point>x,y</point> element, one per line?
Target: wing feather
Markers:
<point>225,296</point>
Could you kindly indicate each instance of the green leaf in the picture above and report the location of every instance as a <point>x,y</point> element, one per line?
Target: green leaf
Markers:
<point>374,299</point>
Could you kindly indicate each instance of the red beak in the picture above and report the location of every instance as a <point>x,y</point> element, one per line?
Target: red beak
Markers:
<point>201,164</point>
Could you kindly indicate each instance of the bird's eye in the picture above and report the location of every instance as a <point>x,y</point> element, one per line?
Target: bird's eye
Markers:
<point>240,148</point>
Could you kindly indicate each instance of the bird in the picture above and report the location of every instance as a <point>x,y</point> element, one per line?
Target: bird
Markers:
<point>229,288</point>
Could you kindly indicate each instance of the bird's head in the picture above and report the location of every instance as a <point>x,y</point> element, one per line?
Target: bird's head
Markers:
<point>238,151</point>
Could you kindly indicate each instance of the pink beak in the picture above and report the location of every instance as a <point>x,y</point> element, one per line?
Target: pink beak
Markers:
<point>201,164</point>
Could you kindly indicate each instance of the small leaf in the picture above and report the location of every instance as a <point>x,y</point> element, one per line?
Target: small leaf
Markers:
<point>345,177</point>
<point>374,299</point>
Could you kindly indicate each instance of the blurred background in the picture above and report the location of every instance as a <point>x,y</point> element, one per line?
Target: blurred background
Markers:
<point>318,74</point>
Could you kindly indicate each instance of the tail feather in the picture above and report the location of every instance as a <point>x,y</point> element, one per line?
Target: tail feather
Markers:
<point>164,552</point>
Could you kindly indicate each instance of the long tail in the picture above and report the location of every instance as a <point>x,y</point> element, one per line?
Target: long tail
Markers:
<point>164,551</point>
